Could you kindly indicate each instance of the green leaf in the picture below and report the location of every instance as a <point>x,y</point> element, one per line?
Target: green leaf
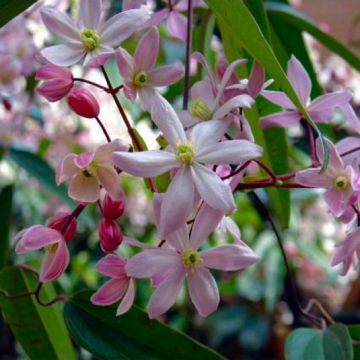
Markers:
<point>41,171</point>
<point>12,8</point>
<point>130,336</point>
<point>6,200</point>
<point>40,330</point>
<point>302,22</point>
<point>247,34</point>
<point>332,344</point>
<point>354,331</point>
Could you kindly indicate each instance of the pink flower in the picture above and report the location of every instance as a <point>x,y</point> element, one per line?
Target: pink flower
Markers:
<point>57,81</point>
<point>190,155</point>
<point>56,257</point>
<point>89,170</point>
<point>339,180</point>
<point>320,109</point>
<point>112,209</point>
<point>170,266</point>
<point>345,146</point>
<point>110,235</point>
<point>83,102</point>
<point>120,286</point>
<point>139,74</point>
<point>60,221</point>
<point>89,37</point>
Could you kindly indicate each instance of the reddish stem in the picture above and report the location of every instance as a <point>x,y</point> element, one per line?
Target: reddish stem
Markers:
<point>103,129</point>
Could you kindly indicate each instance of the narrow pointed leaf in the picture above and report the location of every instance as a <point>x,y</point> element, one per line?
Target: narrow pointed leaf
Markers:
<point>6,201</point>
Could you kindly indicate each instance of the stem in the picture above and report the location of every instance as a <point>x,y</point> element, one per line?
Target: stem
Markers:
<point>103,129</point>
<point>50,302</point>
<point>267,169</point>
<point>92,83</point>
<point>241,168</point>
<point>187,58</point>
<point>170,5</point>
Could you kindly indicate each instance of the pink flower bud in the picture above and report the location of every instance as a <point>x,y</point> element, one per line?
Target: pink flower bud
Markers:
<point>83,102</point>
<point>58,81</point>
<point>111,209</point>
<point>59,221</point>
<point>110,235</point>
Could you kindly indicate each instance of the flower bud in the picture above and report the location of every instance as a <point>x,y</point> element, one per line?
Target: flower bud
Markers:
<point>110,235</point>
<point>83,103</point>
<point>58,81</point>
<point>61,220</point>
<point>111,209</point>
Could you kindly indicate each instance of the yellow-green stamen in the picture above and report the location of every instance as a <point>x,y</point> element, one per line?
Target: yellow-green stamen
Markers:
<point>185,153</point>
<point>140,79</point>
<point>191,258</point>
<point>199,109</point>
<point>90,39</point>
<point>341,182</point>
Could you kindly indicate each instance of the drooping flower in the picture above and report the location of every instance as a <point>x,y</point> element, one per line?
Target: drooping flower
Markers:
<point>89,37</point>
<point>110,235</point>
<point>189,154</point>
<point>83,102</point>
<point>321,109</point>
<point>120,286</point>
<point>58,81</point>
<point>340,181</point>
<point>87,171</point>
<point>181,260</point>
<point>140,75</point>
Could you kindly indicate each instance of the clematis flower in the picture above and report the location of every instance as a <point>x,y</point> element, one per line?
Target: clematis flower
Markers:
<point>120,286</point>
<point>140,76</point>
<point>190,155</point>
<point>320,109</point>
<point>182,261</point>
<point>89,37</point>
<point>340,181</point>
<point>87,171</point>
<point>56,257</point>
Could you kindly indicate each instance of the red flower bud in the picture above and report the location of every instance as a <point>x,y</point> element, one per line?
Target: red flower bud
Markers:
<point>111,209</point>
<point>59,221</point>
<point>83,103</point>
<point>110,235</point>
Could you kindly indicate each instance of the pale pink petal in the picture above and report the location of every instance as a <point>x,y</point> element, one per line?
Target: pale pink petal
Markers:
<point>36,237</point>
<point>228,152</point>
<point>352,118</point>
<point>165,118</point>
<point>346,145</point>
<point>186,118</point>
<point>147,97</point>
<point>54,262</point>
<point>335,200</point>
<point>109,179</point>
<point>285,118</point>
<point>132,242</point>
<point>212,189</point>
<point>278,98</point>
<point>90,13</point>
<point>201,59</point>
<point>231,227</point>
<point>180,238</point>
<point>59,23</point>
<point>165,75</point>
<point>98,57</point>
<point>125,63</point>
<point>128,299</point>
<point>111,265</point>
<point>66,169</point>
<point>111,292</point>
<point>63,55</point>
<point>347,247</point>
<point>104,153</point>
<point>208,132</point>
<point>157,17</point>
<point>177,202</point>
<point>313,178</point>
<point>203,291</point>
<point>236,102</point>
<point>153,261</point>
<point>229,257</point>
<point>84,189</point>
<point>202,90</point>
<point>146,163</point>
<point>330,101</point>
<point>176,25</point>
<point>256,79</point>
<point>130,91</point>
<point>157,202</point>
<point>165,294</point>
<point>336,165</point>
<point>121,26</point>
<point>83,160</point>
<point>147,50</point>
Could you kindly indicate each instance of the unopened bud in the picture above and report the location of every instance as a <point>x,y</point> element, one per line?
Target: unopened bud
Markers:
<point>61,223</point>
<point>110,235</point>
<point>112,209</point>
<point>83,103</point>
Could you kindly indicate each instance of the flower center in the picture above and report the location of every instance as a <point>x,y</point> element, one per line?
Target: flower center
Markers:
<point>341,182</point>
<point>52,248</point>
<point>185,153</point>
<point>191,258</point>
<point>199,110</point>
<point>90,170</point>
<point>90,39</point>
<point>140,79</point>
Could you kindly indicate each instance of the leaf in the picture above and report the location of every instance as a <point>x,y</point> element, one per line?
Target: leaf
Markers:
<point>130,336</point>
<point>332,344</point>
<point>12,8</point>
<point>354,331</point>
<point>303,23</point>
<point>6,200</point>
<point>41,171</point>
<point>248,35</point>
<point>40,330</point>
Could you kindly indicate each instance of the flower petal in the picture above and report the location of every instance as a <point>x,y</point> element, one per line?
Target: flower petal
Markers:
<point>335,200</point>
<point>331,100</point>
<point>236,102</point>
<point>208,132</point>
<point>278,98</point>
<point>64,55</point>
<point>180,238</point>
<point>165,75</point>
<point>84,189</point>
<point>229,257</point>
<point>128,299</point>
<point>84,159</point>
<point>285,118</point>
<point>66,169</point>
<point>176,25</point>
<point>212,189</point>
<point>157,17</point>
<point>146,163</point>
<point>313,178</point>
<point>147,97</point>
<point>111,265</point>
<point>147,50</point>
<point>125,63</point>
<point>112,291</point>
<point>109,179</point>
<point>203,291</point>
<point>104,153</point>
<point>90,13</point>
